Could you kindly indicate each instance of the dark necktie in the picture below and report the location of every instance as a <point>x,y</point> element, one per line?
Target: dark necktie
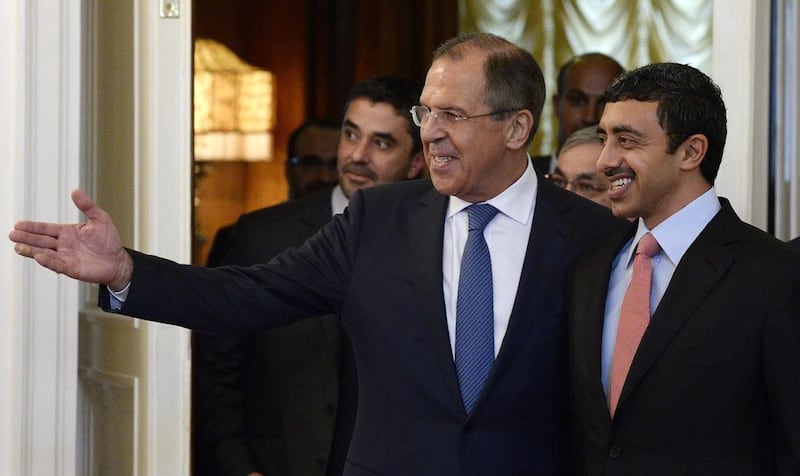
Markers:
<point>634,317</point>
<point>475,309</point>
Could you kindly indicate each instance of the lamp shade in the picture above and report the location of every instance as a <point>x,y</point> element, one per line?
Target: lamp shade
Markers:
<point>233,106</point>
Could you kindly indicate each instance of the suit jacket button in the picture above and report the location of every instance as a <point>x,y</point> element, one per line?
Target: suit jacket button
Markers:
<point>614,452</point>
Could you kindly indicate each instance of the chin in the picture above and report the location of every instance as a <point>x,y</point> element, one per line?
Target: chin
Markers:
<point>620,211</point>
<point>442,185</point>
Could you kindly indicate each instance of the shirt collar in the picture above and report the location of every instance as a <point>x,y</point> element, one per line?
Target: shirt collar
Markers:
<point>515,201</point>
<point>338,200</point>
<point>678,232</point>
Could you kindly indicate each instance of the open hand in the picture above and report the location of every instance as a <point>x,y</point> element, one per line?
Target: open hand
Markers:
<point>90,252</point>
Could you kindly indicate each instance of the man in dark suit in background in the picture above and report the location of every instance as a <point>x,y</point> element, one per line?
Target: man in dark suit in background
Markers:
<point>273,403</point>
<point>702,374</point>
<point>578,101</point>
<point>311,164</point>
<point>461,369</point>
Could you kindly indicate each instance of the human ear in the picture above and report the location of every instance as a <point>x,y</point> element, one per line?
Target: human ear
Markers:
<point>694,151</point>
<point>417,163</point>
<point>521,125</point>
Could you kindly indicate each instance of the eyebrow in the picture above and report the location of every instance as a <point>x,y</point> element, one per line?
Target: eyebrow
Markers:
<point>349,123</point>
<point>388,136</point>
<point>622,128</point>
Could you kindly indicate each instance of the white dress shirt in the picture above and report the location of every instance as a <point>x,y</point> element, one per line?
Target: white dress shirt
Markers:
<point>507,238</point>
<point>674,235</point>
<point>338,200</point>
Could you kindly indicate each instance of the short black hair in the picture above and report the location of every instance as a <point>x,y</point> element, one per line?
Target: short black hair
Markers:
<point>402,93</point>
<point>689,102</point>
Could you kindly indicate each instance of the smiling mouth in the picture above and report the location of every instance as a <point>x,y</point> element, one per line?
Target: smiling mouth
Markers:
<point>620,183</point>
<point>442,159</point>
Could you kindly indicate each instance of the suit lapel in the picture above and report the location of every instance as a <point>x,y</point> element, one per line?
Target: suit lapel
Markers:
<point>700,269</point>
<point>590,310</point>
<point>548,232</point>
<point>428,233</point>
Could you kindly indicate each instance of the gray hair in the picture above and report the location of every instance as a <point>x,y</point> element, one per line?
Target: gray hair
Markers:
<point>587,135</point>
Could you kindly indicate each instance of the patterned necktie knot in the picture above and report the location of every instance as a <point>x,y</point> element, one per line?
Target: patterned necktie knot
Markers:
<point>480,214</point>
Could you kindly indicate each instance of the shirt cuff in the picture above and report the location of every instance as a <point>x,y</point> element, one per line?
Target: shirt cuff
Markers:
<point>118,297</point>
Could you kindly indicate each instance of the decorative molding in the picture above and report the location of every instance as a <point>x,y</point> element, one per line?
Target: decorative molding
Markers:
<point>11,266</point>
<point>785,118</point>
<point>108,415</point>
<point>43,48</point>
<point>164,210</point>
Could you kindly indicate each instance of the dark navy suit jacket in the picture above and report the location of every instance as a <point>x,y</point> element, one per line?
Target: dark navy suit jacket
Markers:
<point>379,266</point>
<point>714,387</point>
<point>280,401</point>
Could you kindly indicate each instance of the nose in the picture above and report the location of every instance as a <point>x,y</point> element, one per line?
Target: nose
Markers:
<point>360,152</point>
<point>607,160</point>
<point>431,130</point>
<point>592,112</point>
<point>571,185</point>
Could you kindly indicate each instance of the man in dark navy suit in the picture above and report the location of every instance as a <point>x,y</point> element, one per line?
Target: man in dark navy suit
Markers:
<point>282,401</point>
<point>391,267</point>
<point>704,377</point>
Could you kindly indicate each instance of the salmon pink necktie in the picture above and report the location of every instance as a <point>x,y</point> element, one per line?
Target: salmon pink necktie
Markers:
<point>634,317</point>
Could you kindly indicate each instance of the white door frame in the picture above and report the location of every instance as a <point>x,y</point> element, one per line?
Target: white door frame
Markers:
<point>740,66</point>
<point>42,158</point>
<point>40,147</point>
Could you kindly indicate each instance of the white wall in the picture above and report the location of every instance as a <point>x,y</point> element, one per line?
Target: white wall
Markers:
<point>741,68</point>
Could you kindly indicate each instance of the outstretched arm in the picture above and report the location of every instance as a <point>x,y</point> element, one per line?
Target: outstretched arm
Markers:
<point>90,251</point>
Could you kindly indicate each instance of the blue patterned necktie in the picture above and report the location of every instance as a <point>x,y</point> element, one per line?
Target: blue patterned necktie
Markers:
<point>475,309</point>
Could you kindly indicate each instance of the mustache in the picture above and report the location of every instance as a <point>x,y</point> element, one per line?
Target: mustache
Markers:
<point>359,169</point>
<point>610,172</point>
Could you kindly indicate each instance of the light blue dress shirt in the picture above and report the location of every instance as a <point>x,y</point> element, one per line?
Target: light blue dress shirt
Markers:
<point>507,237</point>
<point>674,235</point>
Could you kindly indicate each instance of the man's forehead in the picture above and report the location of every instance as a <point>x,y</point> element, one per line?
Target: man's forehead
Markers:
<point>318,140</point>
<point>362,111</point>
<point>629,109</point>
<point>453,82</point>
<point>379,119</point>
<point>587,75</point>
<point>630,115</point>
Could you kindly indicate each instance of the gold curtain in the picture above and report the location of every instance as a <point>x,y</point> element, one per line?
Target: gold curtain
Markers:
<point>635,32</point>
